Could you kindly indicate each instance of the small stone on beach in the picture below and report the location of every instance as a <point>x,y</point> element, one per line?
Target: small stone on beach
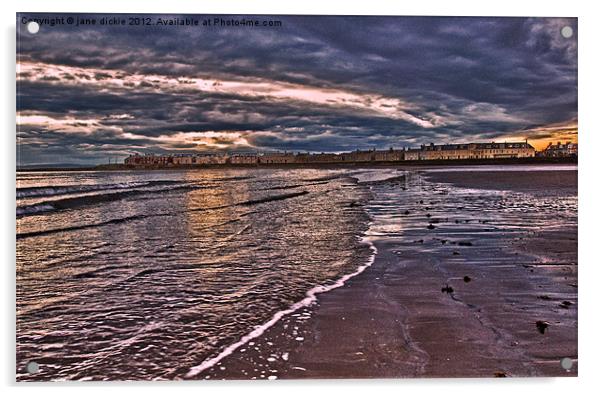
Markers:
<point>431,227</point>
<point>467,279</point>
<point>542,326</point>
<point>447,289</point>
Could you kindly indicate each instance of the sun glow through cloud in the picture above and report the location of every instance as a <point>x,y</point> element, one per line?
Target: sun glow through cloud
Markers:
<point>539,137</point>
<point>267,90</point>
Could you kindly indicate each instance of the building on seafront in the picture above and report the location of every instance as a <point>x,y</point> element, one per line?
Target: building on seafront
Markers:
<point>425,152</point>
<point>471,151</point>
<point>560,150</point>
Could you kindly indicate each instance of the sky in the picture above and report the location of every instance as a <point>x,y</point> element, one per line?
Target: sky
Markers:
<point>90,94</point>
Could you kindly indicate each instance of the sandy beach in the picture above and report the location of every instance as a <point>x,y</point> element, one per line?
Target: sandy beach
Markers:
<point>472,278</point>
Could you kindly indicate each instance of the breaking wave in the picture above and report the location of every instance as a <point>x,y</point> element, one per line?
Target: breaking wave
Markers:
<point>311,296</point>
<point>32,192</point>
<point>40,208</point>
<point>80,201</point>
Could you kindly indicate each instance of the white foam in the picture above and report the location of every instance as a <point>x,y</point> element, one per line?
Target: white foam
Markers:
<point>377,175</point>
<point>311,297</point>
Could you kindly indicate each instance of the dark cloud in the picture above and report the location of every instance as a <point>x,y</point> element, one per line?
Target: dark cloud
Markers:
<point>460,79</point>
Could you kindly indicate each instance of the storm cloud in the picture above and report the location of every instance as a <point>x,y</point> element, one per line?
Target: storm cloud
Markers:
<point>315,83</point>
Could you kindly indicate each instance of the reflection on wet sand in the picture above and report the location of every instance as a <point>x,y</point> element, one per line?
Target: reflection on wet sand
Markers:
<point>463,281</point>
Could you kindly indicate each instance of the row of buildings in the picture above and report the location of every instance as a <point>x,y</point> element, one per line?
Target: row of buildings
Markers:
<point>560,150</point>
<point>425,152</point>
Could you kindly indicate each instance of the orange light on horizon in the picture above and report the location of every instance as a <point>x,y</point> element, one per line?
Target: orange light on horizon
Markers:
<point>541,137</point>
<point>541,144</point>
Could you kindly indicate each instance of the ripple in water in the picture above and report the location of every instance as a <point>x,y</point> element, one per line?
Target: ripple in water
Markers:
<point>145,275</point>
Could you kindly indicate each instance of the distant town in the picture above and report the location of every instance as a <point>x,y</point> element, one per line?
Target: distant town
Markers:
<point>431,152</point>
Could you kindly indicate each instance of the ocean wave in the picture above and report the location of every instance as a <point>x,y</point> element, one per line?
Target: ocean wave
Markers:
<point>186,265</point>
<point>45,191</point>
<point>294,186</point>
<point>81,227</point>
<point>34,209</point>
<point>375,177</point>
<point>234,178</point>
<point>79,201</point>
<point>311,296</point>
<point>267,199</point>
<point>272,198</point>
<point>74,202</point>
<point>329,177</point>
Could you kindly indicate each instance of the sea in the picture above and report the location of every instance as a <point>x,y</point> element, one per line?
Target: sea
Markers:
<point>144,275</point>
<point>160,275</point>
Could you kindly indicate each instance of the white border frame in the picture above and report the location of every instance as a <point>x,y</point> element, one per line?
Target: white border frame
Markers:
<point>590,219</point>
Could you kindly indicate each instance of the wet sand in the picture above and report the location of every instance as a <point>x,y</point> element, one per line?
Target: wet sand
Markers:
<point>459,299</point>
<point>545,181</point>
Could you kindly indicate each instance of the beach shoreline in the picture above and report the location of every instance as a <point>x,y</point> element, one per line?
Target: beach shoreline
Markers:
<point>407,164</point>
<point>438,305</point>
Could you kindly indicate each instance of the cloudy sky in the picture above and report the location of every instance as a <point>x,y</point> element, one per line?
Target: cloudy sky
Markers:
<point>85,94</point>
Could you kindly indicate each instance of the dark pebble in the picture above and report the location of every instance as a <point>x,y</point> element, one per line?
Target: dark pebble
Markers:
<point>447,289</point>
<point>542,326</point>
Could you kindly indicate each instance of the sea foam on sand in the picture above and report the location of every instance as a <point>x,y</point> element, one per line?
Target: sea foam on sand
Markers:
<point>311,297</point>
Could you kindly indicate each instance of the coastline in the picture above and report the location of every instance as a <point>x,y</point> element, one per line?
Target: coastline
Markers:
<point>394,320</point>
<point>311,297</point>
<point>409,164</point>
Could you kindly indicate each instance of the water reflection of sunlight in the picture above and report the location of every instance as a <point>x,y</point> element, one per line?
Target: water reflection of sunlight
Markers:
<point>196,274</point>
